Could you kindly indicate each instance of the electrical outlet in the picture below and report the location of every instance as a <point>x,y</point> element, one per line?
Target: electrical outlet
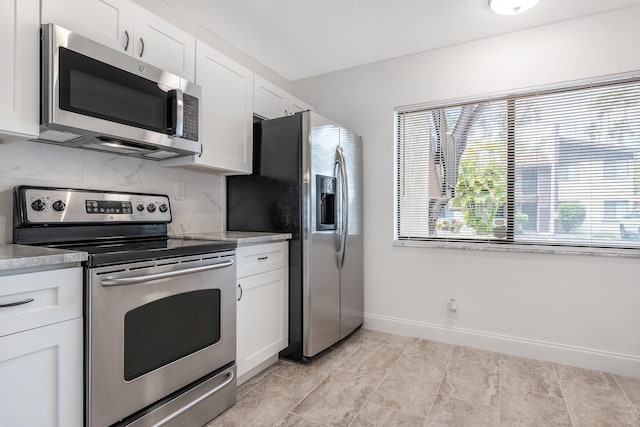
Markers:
<point>452,307</point>
<point>179,191</point>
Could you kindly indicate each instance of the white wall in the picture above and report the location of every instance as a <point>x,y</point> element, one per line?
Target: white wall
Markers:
<point>33,163</point>
<point>580,310</point>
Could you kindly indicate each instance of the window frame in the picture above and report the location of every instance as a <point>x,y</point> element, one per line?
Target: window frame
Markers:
<point>508,244</point>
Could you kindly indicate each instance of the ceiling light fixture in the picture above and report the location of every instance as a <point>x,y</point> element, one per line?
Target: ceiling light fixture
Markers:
<point>511,7</point>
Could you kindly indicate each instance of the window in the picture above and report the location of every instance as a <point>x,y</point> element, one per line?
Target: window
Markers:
<point>615,209</point>
<point>615,167</point>
<point>558,167</point>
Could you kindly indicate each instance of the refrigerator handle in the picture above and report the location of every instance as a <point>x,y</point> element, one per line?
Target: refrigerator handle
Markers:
<point>342,167</point>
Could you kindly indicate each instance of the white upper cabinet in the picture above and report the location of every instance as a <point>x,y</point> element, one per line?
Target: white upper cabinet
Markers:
<point>297,105</point>
<point>163,45</point>
<point>109,22</point>
<point>226,117</point>
<point>19,68</point>
<point>126,27</point>
<point>270,101</point>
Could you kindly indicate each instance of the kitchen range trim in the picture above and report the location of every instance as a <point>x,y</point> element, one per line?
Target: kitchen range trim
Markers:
<point>98,98</point>
<point>160,312</point>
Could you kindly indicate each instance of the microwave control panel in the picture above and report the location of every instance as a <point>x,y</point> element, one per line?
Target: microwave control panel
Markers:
<point>190,125</point>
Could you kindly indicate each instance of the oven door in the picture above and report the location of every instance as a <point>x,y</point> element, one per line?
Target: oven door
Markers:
<point>155,327</point>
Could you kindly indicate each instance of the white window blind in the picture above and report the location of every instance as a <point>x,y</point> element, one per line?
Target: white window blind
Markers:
<point>549,168</point>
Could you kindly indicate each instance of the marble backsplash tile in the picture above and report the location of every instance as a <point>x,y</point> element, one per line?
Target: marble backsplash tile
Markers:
<point>33,163</point>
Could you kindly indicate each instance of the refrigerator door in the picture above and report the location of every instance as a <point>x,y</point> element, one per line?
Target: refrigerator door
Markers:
<point>351,273</point>
<point>321,283</point>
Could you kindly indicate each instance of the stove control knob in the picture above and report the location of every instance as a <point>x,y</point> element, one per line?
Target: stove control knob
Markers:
<point>163,207</point>
<point>38,205</point>
<point>151,207</point>
<point>59,205</point>
<point>140,207</point>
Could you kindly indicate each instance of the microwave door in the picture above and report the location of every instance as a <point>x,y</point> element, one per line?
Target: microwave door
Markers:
<point>92,88</point>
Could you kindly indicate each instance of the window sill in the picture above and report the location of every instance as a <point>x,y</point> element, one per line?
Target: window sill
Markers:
<point>538,249</point>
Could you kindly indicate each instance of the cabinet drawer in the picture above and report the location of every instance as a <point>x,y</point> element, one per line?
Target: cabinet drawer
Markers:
<point>56,295</point>
<point>260,258</point>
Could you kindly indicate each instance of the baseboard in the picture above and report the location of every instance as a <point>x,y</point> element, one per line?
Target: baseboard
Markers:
<point>257,369</point>
<point>621,364</point>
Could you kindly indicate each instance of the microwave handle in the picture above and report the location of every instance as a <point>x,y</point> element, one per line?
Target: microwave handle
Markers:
<point>179,109</point>
<point>175,107</point>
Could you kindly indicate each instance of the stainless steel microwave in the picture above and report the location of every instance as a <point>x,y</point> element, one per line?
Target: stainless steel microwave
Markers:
<point>97,98</point>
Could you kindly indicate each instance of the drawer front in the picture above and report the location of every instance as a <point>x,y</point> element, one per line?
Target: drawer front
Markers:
<point>40,298</point>
<point>257,259</point>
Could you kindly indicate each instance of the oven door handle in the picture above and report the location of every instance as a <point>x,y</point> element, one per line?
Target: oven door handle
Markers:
<point>194,402</point>
<point>132,280</point>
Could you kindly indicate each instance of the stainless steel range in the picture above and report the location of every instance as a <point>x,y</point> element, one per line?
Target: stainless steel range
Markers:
<point>160,312</point>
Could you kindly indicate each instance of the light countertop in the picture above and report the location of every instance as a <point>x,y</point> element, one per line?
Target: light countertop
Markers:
<point>242,238</point>
<point>24,256</point>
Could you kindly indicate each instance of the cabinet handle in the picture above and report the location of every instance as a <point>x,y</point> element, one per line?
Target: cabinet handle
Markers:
<point>262,258</point>
<point>126,46</point>
<point>13,304</point>
<point>241,292</point>
<point>141,47</point>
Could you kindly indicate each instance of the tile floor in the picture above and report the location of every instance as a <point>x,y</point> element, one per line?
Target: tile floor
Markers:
<point>379,379</point>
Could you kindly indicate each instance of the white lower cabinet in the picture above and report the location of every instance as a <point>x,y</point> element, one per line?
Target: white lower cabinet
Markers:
<point>263,304</point>
<point>41,362</point>
<point>41,376</point>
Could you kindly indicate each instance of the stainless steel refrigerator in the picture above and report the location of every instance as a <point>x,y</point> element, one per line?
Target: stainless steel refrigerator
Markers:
<point>307,181</point>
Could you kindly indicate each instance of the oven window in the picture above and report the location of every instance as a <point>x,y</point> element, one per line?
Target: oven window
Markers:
<point>166,330</point>
<point>96,89</point>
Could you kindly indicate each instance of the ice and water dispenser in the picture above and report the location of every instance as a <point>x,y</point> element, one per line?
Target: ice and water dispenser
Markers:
<point>325,203</point>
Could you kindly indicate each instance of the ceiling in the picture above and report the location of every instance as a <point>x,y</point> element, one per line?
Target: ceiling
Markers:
<point>303,38</point>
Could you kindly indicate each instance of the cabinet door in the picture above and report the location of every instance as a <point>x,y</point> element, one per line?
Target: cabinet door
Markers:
<point>20,67</point>
<point>226,131</point>
<point>227,118</point>
<point>297,105</point>
<point>269,101</point>
<point>109,22</point>
<point>263,317</point>
<point>41,376</point>
<point>163,45</point>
